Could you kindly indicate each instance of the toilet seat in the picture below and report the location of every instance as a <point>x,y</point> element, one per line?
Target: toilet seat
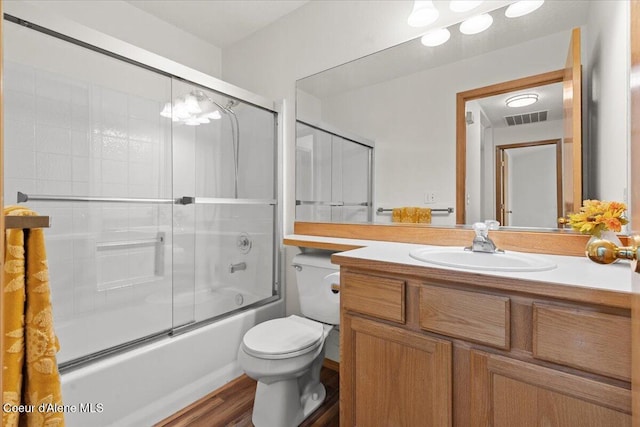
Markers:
<point>283,338</point>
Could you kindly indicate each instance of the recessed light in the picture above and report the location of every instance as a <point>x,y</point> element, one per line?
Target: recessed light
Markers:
<point>521,8</point>
<point>477,24</point>
<point>436,37</point>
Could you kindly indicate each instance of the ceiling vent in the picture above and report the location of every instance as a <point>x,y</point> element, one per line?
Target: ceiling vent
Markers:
<point>523,119</point>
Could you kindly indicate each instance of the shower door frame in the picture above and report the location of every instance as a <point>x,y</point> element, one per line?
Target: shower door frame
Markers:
<point>330,130</point>
<point>72,32</point>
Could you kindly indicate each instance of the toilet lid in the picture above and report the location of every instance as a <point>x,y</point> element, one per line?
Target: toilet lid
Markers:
<point>281,336</point>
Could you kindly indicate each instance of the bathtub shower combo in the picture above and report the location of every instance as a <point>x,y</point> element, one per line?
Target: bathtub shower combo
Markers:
<point>161,186</point>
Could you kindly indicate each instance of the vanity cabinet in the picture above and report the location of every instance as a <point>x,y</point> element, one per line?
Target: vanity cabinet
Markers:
<point>423,347</point>
<point>506,392</point>
<point>397,377</point>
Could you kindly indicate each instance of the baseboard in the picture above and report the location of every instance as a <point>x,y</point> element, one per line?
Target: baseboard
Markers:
<point>331,364</point>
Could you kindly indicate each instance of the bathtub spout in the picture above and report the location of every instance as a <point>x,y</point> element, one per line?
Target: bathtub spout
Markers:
<point>237,267</point>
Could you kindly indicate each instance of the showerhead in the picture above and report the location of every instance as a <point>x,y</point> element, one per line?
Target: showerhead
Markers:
<point>231,103</point>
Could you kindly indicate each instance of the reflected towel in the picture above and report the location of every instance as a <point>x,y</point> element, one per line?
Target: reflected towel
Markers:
<point>27,329</point>
<point>412,215</point>
<point>424,216</point>
<point>396,215</point>
<point>409,215</point>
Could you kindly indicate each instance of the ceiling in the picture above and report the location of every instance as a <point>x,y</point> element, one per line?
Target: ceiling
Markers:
<point>219,22</point>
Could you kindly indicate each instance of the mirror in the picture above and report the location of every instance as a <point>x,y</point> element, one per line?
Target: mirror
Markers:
<point>404,100</point>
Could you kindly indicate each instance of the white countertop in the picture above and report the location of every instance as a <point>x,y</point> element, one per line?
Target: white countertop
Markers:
<point>573,271</point>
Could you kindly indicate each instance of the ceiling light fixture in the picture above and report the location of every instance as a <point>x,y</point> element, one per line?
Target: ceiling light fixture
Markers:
<point>460,6</point>
<point>423,14</point>
<point>436,37</point>
<point>521,8</point>
<point>477,24</point>
<point>193,109</point>
<point>522,100</point>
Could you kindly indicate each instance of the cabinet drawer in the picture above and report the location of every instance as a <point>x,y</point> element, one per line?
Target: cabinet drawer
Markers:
<point>595,342</point>
<point>469,315</point>
<point>372,295</point>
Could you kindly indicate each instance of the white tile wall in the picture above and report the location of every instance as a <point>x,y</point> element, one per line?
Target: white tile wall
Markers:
<point>69,137</point>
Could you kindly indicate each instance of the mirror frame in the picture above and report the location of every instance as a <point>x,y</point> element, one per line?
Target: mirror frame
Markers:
<point>461,124</point>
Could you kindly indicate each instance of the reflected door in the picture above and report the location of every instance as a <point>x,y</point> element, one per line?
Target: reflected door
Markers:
<point>528,184</point>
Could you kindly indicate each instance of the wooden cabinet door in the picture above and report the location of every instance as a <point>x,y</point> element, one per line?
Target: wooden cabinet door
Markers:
<point>508,392</point>
<point>393,377</point>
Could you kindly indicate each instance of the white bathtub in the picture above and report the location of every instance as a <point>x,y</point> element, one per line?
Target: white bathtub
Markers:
<point>145,385</point>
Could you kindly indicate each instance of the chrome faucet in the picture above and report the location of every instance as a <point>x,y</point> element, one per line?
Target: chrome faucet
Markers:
<point>482,242</point>
<point>237,267</point>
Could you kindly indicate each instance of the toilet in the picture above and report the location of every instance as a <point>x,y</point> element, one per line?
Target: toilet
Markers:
<point>285,355</point>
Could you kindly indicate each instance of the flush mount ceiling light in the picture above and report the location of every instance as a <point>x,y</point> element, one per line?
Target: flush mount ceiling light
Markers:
<point>477,24</point>
<point>423,14</point>
<point>436,37</point>
<point>464,5</point>
<point>521,8</point>
<point>522,100</point>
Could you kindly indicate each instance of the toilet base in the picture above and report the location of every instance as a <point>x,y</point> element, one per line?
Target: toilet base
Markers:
<point>287,403</point>
<point>279,404</point>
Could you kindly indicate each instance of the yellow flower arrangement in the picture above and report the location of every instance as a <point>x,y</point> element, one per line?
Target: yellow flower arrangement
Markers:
<point>596,216</point>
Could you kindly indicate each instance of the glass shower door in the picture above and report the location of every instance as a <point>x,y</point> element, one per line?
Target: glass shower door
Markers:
<point>226,166</point>
<point>333,177</point>
<point>87,146</point>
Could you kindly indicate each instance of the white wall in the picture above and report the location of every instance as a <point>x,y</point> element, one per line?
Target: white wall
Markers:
<point>121,20</point>
<point>607,43</point>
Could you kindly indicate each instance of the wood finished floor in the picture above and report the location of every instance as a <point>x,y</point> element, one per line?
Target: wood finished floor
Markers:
<point>232,404</point>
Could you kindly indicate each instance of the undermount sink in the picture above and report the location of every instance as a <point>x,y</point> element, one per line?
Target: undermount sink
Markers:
<point>459,258</point>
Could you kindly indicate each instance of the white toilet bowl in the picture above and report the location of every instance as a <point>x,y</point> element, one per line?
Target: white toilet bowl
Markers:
<point>285,357</point>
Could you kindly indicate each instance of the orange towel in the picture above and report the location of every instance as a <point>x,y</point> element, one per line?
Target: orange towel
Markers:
<point>27,330</point>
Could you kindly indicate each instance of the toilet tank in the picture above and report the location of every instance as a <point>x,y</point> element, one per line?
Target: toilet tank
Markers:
<point>315,274</point>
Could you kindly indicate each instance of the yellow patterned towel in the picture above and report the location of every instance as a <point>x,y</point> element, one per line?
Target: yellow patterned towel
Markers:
<point>396,215</point>
<point>424,216</point>
<point>411,215</point>
<point>27,332</point>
